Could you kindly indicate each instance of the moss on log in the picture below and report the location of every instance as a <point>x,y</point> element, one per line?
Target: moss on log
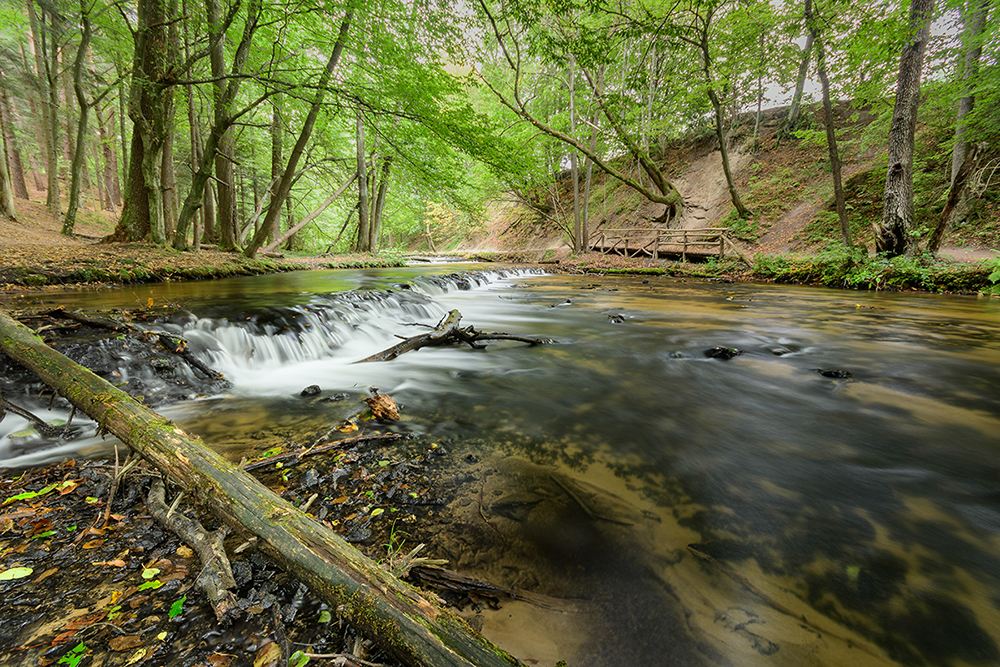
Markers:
<point>393,613</point>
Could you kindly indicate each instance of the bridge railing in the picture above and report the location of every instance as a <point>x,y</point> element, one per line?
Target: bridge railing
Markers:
<point>632,241</point>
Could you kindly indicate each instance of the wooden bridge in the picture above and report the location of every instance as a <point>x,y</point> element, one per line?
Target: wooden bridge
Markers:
<point>635,241</point>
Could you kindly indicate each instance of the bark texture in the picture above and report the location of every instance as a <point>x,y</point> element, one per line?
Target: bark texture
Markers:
<point>893,233</point>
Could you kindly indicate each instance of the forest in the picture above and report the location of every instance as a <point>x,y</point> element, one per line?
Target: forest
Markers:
<point>237,124</point>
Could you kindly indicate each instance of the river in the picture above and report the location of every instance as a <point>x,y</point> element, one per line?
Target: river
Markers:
<point>851,517</point>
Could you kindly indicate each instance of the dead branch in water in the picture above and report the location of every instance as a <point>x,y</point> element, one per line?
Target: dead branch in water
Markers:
<point>448,332</point>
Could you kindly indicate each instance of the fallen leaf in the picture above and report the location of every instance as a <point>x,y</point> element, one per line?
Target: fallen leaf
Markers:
<point>15,573</point>
<point>93,544</point>
<point>185,551</point>
<point>45,575</point>
<point>150,572</point>
<point>68,486</point>
<point>125,643</point>
<point>267,655</point>
<point>337,501</point>
<point>137,656</point>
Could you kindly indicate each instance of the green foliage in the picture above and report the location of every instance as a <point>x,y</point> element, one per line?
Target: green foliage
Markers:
<point>854,269</point>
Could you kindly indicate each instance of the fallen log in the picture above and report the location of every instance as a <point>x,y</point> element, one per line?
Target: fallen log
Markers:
<point>448,332</point>
<point>404,623</point>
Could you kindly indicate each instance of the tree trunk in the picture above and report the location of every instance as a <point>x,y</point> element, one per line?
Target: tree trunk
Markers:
<point>292,231</point>
<point>409,627</point>
<point>364,222</point>
<point>280,192</point>
<point>277,148</point>
<point>153,66</point>
<point>954,196</point>
<point>800,80</point>
<point>6,193</point>
<point>713,97</point>
<point>573,167</point>
<point>831,142</point>
<point>974,15</point>
<point>223,119</point>
<point>893,232</point>
<point>48,113</point>
<point>15,163</point>
<point>379,207</point>
<point>225,154</point>
<point>112,184</point>
<point>81,130</point>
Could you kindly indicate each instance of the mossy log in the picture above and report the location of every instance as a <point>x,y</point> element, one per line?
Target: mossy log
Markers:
<point>413,630</point>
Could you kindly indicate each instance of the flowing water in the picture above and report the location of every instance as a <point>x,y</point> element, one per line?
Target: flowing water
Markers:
<point>834,520</point>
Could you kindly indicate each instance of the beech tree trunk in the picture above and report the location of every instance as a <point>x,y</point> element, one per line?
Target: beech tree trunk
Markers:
<point>364,220</point>
<point>734,194</point>
<point>893,233</point>
<point>974,15</point>
<point>153,65</point>
<point>800,81</point>
<point>11,145</point>
<point>6,193</point>
<point>49,125</point>
<point>407,625</point>
<point>280,191</point>
<point>831,136</point>
<point>81,130</point>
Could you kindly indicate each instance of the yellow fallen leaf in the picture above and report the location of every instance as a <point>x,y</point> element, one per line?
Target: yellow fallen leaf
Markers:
<point>137,656</point>
<point>268,655</point>
<point>185,551</point>
<point>15,573</point>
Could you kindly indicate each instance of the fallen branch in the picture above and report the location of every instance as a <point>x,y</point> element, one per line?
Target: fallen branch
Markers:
<point>404,623</point>
<point>298,454</point>
<point>448,332</point>
<point>216,578</point>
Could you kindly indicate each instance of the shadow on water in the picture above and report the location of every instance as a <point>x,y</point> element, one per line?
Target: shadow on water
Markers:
<point>850,517</point>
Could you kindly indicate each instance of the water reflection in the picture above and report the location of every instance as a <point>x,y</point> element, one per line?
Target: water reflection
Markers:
<point>866,504</point>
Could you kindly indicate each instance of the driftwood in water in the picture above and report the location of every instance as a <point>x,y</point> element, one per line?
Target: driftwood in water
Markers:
<point>406,624</point>
<point>448,332</point>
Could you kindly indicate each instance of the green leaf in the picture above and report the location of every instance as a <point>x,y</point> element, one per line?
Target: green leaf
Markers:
<point>32,494</point>
<point>74,655</point>
<point>47,533</point>
<point>15,573</point>
<point>297,659</point>
<point>150,572</point>
<point>177,608</point>
<point>154,584</point>
<point>325,616</point>
<point>377,511</point>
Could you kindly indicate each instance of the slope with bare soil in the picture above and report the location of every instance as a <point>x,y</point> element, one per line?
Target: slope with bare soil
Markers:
<point>786,182</point>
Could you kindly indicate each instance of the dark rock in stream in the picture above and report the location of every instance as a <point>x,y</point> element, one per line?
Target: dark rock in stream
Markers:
<point>833,373</point>
<point>133,362</point>
<point>724,353</point>
<point>311,390</point>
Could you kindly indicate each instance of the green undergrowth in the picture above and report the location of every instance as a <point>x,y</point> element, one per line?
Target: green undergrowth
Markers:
<point>380,262</point>
<point>858,270</point>
<point>840,268</point>
<point>130,272</point>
